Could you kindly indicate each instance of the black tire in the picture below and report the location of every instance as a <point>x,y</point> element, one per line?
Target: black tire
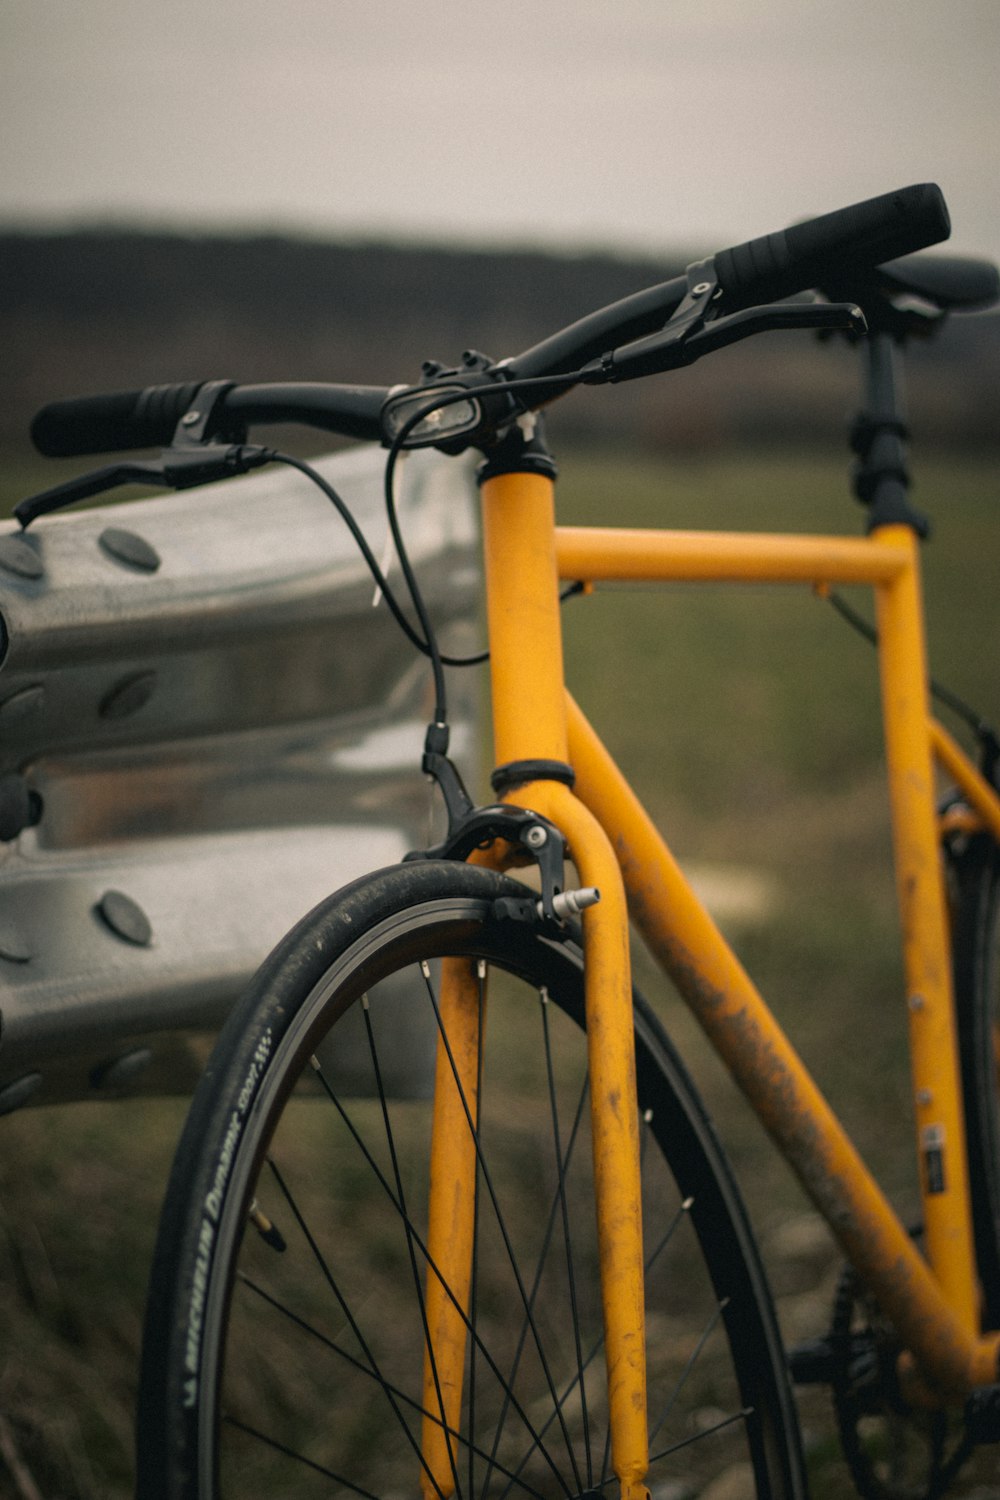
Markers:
<point>242,1340</point>
<point>974,887</point>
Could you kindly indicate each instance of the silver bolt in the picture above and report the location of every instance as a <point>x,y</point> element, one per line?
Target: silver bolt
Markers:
<point>190,418</point>
<point>571,903</point>
<point>536,836</point>
<point>917,1002</point>
<point>924,1096</point>
<point>702,286</point>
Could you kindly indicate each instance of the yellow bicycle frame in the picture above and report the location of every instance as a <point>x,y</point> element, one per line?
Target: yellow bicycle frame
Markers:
<point>933,1302</point>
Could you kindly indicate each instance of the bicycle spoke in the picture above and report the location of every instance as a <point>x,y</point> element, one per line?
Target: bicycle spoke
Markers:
<point>679,1216</point>
<point>360,1368</point>
<point>401,1197</point>
<point>692,1360</point>
<point>299,1458</point>
<point>567,1238</point>
<point>474,1290</point>
<point>700,1436</point>
<point>539,1269</point>
<point>480,1344</point>
<point>504,1232</point>
<point>355,1329</point>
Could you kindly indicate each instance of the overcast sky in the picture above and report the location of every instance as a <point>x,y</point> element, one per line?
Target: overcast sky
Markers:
<point>640,124</point>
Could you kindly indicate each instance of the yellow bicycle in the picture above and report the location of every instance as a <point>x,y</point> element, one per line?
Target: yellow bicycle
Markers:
<point>536,1276</point>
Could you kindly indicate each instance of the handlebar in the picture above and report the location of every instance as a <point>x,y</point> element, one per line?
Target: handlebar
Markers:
<point>124,420</point>
<point>759,271</point>
<point>863,235</point>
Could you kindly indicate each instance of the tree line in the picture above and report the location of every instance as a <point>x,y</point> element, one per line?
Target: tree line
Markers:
<point>112,309</point>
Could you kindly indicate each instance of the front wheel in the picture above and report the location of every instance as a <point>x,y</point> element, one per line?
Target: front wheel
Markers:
<point>286,1328</point>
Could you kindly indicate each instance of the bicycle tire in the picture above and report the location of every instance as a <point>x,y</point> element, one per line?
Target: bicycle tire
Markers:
<point>974,887</point>
<point>214,1348</point>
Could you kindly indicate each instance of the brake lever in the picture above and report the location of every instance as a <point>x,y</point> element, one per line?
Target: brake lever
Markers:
<point>664,351</point>
<point>175,469</point>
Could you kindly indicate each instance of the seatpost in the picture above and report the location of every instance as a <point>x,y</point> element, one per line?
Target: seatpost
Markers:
<point>879,436</point>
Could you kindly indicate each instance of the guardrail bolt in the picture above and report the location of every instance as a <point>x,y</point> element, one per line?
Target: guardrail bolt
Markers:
<point>13,948</point>
<point>13,1095</point>
<point>129,548</point>
<point>22,703</point>
<point>117,1074</point>
<point>18,556</point>
<point>125,918</point>
<point>128,696</point>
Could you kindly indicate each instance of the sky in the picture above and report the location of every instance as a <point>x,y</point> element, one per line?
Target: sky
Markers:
<point>631,125</point>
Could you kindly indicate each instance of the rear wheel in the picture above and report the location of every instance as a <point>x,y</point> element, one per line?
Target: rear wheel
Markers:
<point>974,880</point>
<point>284,1344</point>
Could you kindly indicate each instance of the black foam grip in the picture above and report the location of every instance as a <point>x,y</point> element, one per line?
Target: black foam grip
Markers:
<point>113,422</point>
<point>862,235</point>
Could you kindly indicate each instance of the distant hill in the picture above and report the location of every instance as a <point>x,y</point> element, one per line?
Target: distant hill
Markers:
<point>114,309</point>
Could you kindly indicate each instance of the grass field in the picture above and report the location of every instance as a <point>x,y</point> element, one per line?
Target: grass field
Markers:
<point>748,719</point>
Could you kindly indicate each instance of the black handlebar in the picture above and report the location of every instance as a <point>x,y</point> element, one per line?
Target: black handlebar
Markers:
<point>112,423</point>
<point>125,420</point>
<point>759,271</point>
<point>863,235</point>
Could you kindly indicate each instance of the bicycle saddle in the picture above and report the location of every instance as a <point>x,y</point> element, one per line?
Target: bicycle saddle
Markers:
<point>946,283</point>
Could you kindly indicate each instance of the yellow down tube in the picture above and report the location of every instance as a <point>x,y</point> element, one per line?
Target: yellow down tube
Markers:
<point>749,1040</point>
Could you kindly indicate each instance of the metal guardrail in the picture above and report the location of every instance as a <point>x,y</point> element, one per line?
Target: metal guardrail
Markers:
<point>212,727</point>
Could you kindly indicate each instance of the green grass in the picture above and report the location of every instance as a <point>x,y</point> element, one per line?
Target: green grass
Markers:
<point>748,719</point>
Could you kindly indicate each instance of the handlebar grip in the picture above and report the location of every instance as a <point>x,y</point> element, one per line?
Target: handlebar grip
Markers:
<point>113,422</point>
<point>862,235</point>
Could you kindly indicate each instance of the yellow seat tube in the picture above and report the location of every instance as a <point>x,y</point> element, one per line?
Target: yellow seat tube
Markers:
<point>450,1222</point>
<point>923,913</point>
